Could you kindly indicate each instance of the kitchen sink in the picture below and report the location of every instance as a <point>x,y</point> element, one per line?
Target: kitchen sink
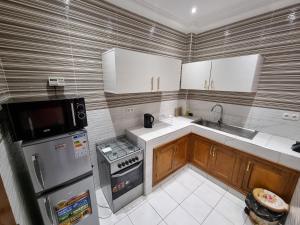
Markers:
<point>239,131</point>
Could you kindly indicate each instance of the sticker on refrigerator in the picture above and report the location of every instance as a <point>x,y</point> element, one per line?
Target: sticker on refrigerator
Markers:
<point>73,210</point>
<point>80,145</point>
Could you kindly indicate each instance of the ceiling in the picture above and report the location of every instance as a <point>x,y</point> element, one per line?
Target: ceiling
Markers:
<point>209,14</point>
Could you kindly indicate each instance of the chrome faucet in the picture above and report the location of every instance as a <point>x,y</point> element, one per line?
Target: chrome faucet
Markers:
<point>220,121</point>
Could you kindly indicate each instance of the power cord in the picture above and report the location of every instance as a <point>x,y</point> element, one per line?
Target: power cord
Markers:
<point>104,207</point>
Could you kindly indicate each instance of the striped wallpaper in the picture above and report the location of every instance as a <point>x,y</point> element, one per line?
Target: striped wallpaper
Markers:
<point>274,35</point>
<point>67,37</point>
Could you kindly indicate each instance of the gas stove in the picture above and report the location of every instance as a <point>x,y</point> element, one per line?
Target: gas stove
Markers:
<point>121,172</point>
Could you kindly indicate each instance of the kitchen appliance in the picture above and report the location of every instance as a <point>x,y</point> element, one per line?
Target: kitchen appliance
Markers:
<point>61,175</point>
<point>121,171</point>
<point>148,120</point>
<point>296,147</point>
<point>45,117</point>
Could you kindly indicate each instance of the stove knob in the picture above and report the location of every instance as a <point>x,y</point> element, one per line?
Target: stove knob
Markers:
<point>126,162</point>
<point>119,165</point>
<point>136,158</point>
<point>123,164</point>
<point>130,160</point>
<point>133,159</point>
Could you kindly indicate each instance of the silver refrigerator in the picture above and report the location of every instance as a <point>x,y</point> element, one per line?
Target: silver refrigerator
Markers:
<point>61,173</point>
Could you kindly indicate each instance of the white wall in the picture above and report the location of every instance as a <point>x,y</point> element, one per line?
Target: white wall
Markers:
<point>294,215</point>
<point>262,119</point>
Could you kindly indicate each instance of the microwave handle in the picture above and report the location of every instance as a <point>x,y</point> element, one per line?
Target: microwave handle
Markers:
<point>73,114</point>
<point>37,170</point>
<point>48,210</point>
<point>128,171</point>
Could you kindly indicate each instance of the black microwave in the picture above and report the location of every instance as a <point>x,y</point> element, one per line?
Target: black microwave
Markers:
<point>39,118</point>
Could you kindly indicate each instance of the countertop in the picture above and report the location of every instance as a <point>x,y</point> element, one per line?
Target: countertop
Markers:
<point>271,147</point>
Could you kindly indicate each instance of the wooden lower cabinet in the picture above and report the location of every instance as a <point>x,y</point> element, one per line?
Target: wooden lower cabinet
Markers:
<point>240,170</point>
<point>180,153</point>
<point>278,179</point>
<point>222,162</point>
<point>168,158</point>
<point>200,151</point>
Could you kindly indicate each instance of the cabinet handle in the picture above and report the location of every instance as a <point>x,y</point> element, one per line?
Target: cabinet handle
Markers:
<point>158,83</point>
<point>248,166</point>
<point>205,84</point>
<point>210,150</point>
<point>212,86</point>
<point>152,81</point>
<point>214,151</point>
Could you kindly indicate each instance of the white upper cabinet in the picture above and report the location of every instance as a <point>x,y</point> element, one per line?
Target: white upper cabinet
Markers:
<point>127,71</point>
<point>238,74</point>
<point>196,75</point>
<point>235,74</point>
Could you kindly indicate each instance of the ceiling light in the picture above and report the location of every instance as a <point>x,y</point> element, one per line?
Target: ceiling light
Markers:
<point>194,10</point>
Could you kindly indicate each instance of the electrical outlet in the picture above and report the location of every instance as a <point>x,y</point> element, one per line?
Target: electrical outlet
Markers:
<point>294,116</point>
<point>130,110</point>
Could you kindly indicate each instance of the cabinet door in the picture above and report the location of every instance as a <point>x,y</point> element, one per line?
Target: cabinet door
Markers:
<point>162,161</point>
<point>201,152</point>
<point>167,73</point>
<point>196,75</point>
<point>275,178</point>
<point>180,154</point>
<point>223,162</point>
<point>133,71</point>
<point>6,216</point>
<point>235,74</point>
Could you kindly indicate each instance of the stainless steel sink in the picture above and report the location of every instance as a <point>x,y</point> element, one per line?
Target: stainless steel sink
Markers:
<point>239,131</point>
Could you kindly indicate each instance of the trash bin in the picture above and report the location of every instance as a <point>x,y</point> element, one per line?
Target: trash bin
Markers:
<point>265,208</point>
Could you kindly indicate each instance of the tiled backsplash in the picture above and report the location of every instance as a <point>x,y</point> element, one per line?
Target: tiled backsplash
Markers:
<point>66,38</point>
<point>261,119</point>
<point>107,123</point>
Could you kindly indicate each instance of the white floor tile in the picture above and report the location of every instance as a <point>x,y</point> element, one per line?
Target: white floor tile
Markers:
<point>196,174</point>
<point>217,186</point>
<point>113,218</point>
<point>134,204</point>
<point>248,222</point>
<point>101,200</point>
<point>162,203</point>
<point>232,211</point>
<point>196,207</point>
<point>188,180</point>
<point>216,218</point>
<point>236,200</point>
<point>176,190</point>
<point>145,215</point>
<point>180,217</point>
<point>162,223</point>
<point>124,221</point>
<point>209,195</point>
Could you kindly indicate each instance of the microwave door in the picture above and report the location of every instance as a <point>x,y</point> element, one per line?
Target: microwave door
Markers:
<point>76,202</point>
<point>55,162</point>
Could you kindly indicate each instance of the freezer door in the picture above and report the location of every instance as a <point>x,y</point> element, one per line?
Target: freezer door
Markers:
<point>75,204</point>
<point>53,162</point>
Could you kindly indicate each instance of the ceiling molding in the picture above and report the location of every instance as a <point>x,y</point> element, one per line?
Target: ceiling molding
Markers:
<point>197,25</point>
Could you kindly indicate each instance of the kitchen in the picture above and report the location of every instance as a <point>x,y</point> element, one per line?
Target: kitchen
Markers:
<point>67,43</point>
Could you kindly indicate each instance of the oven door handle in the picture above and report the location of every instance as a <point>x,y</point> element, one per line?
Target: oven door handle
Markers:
<point>128,171</point>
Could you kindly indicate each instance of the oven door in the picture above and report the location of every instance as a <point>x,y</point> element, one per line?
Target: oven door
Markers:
<point>126,179</point>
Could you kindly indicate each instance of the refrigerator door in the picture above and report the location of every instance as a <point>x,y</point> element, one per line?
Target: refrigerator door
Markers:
<point>74,204</point>
<point>55,161</point>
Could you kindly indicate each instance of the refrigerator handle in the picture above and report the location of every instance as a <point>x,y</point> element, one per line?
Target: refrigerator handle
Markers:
<point>48,210</point>
<point>37,170</point>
